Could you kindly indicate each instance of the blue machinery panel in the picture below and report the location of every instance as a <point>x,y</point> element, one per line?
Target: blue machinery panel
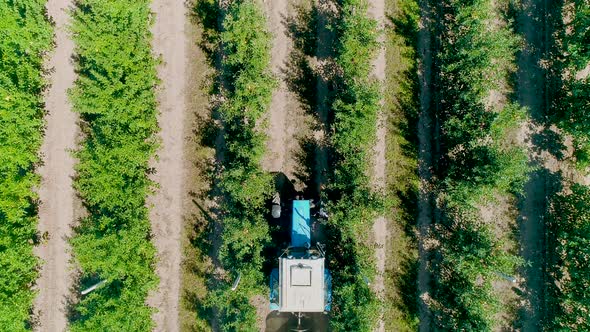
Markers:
<point>328,291</point>
<point>274,290</point>
<point>300,224</point>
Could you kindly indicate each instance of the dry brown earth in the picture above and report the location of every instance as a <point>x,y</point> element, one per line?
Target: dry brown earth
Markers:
<point>287,121</point>
<point>166,213</point>
<point>57,211</point>
<point>380,225</point>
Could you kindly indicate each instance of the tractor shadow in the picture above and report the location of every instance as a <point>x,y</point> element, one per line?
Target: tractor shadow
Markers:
<point>309,73</point>
<point>287,322</point>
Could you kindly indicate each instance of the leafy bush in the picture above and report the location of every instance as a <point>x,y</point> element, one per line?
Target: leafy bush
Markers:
<point>471,257</point>
<point>115,96</point>
<point>353,205</point>
<point>570,225</point>
<point>572,111</point>
<point>569,212</point>
<point>244,186</point>
<point>481,160</point>
<point>26,36</point>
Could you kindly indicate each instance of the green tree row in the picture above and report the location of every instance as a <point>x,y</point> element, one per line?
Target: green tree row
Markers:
<point>115,97</point>
<point>572,109</point>
<point>570,293</point>
<point>246,89</point>
<point>480,161</point>
<point>353,205</point>
<point>25,37</point>
<point>569,214</point>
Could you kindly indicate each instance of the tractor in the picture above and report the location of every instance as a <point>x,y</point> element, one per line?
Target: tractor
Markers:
<point>301,285</point>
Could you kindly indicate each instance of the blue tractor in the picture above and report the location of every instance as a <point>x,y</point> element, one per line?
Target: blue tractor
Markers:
<point>301,284</point>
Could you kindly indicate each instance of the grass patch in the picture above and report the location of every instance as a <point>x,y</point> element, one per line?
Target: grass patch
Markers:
<point>401,105</point>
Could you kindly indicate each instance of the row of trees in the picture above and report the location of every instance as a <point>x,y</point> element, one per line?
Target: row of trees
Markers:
<point>569,221</point>
<point>353,205</point>
<point>114,95</point>
<point>481,160</point>
<point>246,86</point>
<point>26,37</point>
<point>572,109</point>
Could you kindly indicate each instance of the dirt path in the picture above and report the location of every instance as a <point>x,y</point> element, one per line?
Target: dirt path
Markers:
<point>380,229</point>
<point>276,149</point>
<point>425,131</point>
<point>531,93</point>
<point>286,123</point>
<point>280,129</point>
<point>58,199</point>
<point>166,215</point>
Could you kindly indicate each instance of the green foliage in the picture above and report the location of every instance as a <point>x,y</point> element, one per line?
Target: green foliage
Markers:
<point>25,36</point>
<point>114,95</point>
<point>402,104</point>
<point>570,224</point>
<point>572,110</point>
<point>482,160</point>
<point>357,306</point>
<point>244,187</point>
<point>492,163</point>
<point>353,205</point>
<point>235,312</point>
<point>471,258</point>
<point>472,47</point>
<point>570,210</point>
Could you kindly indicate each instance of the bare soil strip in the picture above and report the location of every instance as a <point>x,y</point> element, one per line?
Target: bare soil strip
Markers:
<point>275,157</point>
<point>57,211</point>
<point>286,122</point>
<point>279,140</point>
<point>531,93</point>
<point>425,156</point>
<point>166,214</point>
<point>380,225</point>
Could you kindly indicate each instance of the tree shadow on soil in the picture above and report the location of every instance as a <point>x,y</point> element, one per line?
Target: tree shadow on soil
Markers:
<point>201,241</point>
<point>305,170</point>
<point>206,228</point>
<point>537,84</point>
<point>309,72</point>
<point>536,263</point>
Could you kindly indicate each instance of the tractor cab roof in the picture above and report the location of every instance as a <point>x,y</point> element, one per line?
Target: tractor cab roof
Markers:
<point>301,285</point>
